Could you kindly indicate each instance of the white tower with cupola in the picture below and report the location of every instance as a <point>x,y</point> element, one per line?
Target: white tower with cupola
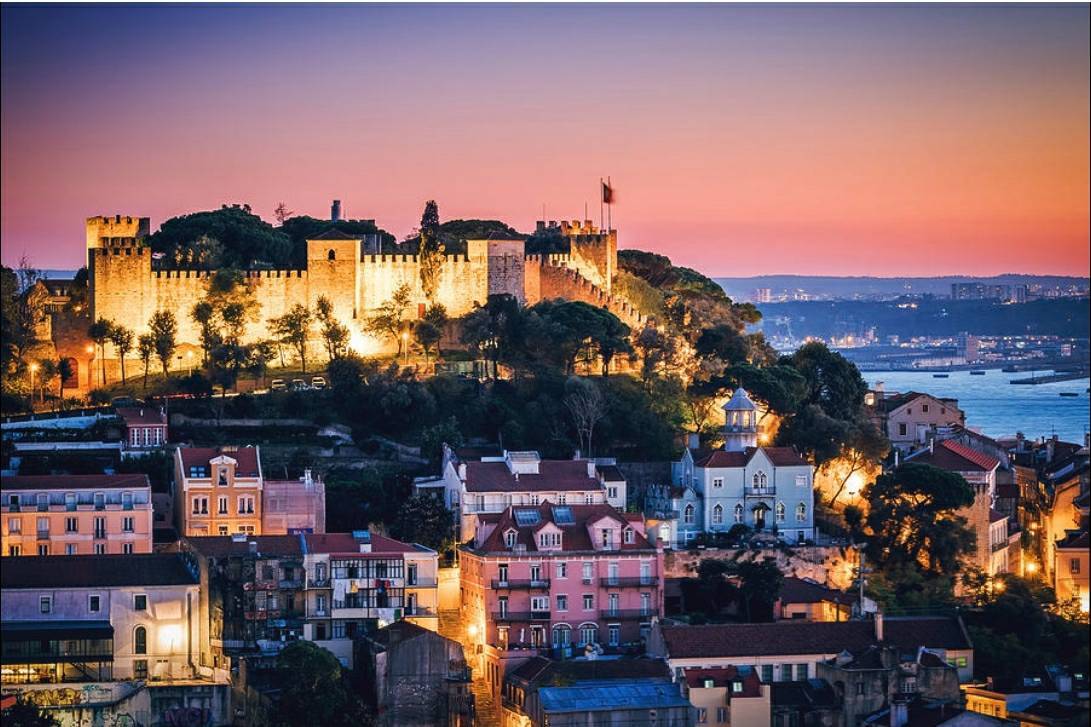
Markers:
<point>741,422</point>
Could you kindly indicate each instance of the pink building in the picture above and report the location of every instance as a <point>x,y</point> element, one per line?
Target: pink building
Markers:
<point>564,579</point>
<point>145,426</point>
<point>294,506</point>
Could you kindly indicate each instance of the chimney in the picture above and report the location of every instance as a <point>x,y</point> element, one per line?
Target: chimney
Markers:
<point>879,626</point>
<point>897,457</point>
<point>253,546</point>
<point>141,412</point>
<point>931,445</point>
<point>335,211</point>
<point>307,481</point>
<point>462,471</point>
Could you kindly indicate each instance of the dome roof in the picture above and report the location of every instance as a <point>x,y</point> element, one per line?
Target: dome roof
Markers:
<point>740,401</point>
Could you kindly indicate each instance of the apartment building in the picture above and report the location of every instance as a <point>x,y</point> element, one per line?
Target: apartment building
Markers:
<point>76,514</point>
<point>728,695</point>
<point>145,427</point>
<point>562,578</point>
<point>908,419</point>
<point>217,491</point>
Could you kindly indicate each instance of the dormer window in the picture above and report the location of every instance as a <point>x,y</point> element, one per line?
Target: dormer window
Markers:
<point>549,540</point>
<point>509,538</point>
<point>627,535</point>
<point>222,480</point>
<point>607,537</point>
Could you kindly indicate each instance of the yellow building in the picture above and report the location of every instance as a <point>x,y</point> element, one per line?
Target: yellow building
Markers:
<point>218,491</point>
<point>728,695</point>
<point>1070,568</point>
<point>76,515</point>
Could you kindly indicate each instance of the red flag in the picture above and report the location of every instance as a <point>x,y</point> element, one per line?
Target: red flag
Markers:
<point>607,193</point>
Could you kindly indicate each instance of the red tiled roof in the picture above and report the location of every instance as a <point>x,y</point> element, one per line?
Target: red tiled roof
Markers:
<point>955,457</point>
<point>142,415</point>
<point>345,543</point>
<point>74,482</point>
<point>575,534</point>
<point>996,516</point>
<point>723,677</point>
<point>779,456</point>
<point>809,637</point>
<point>562,474</point>
<point>246,457</point>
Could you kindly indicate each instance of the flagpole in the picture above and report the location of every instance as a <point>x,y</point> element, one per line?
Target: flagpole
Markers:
<point>602,200</point>
<point>609,207</point>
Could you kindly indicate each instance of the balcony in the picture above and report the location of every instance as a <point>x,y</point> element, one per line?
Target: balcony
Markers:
<point>521,616</point>
<point>759,491</point>
<point>999,546</point>
<point>630,581</point>
<point>419,611</point>
<point>318,583</point>
<point>628,614</point>
<point>43,535</point>
<point>515,584</point>
<point>318,613</point>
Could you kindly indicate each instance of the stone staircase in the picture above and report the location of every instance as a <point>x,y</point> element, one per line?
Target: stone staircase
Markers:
<point>486,708</point>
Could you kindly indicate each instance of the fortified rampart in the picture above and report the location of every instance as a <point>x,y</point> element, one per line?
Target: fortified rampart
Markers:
<point>128,287</point>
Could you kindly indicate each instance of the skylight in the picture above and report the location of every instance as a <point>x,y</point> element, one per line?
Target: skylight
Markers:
<point>525,518</point>
<point>562,515</point>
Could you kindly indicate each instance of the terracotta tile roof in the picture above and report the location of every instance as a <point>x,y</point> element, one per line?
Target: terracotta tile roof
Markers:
<point>75,482</point>
<point>540,671</point>
<point>996,516</point>
<point>563,475</point>
<point>955,457</point>
<point>1074,539</point>
<point>90,571</point>
<point>779,456</point>
<point>723,677</point>
<point>246,457</point>
<point>343,543</point>
<point>798,590</point>
<point>891,402</point>
<point>575,534</point>
<point>224,545</point>
<point>611,473</point>
<point>142,415</point>
<point>809,637</point>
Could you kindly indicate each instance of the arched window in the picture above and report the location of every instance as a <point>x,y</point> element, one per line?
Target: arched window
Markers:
<point>687,514</point>
<point>764,481</point>
<point>331,255</point>
<point>738,513</point>
<point>140,640</point>
<point>781,510</point>
<point>562,635</point>
<point>801,512</point>
<point>589,634</point>
<point>757,479</point>
<point>718,514</point>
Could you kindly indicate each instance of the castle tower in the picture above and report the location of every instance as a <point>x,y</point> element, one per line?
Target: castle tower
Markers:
<point>741,423</point>
<point>333,270</point>
<point>118,266</point>
<point>593,251</point>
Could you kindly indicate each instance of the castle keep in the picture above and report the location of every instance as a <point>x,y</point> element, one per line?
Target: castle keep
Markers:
<point>128,287</point>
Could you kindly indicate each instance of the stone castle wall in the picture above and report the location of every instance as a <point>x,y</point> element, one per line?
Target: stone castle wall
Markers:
<point>126,288</point>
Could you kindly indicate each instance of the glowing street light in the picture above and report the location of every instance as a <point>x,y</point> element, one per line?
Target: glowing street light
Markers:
<point>33,370</point>
<point>405,346</point>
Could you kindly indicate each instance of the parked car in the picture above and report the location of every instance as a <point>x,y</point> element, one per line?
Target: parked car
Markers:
<point>299,385</point>
<point>277,385</point>
<point>318,382</point>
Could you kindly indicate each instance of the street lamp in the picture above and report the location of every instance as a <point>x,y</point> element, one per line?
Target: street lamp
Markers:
<point>33,370</point>
<point>405,346</point>
<point>189,363</point>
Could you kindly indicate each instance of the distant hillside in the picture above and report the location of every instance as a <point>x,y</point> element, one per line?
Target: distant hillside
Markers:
<point>872,287</point>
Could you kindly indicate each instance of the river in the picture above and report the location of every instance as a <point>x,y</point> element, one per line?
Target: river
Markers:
<point>998,408</point>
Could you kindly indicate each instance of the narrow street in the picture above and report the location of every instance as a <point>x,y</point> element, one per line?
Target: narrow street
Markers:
<point>487,710</point>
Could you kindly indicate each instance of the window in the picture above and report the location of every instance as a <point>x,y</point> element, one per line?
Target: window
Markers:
<point>859,689</point>
<point>614,631</point>
<point>802,672</point>
<point>200,506</point>
<point>338,629</point>
<point>13,503</point>
<point>766,673</point>
<point>70,502</point>
<point>687,514</point>
<point>221,529</point>
<point>536,572</point>
<point>43,549</point>
<point>588,571</point>
<point>562,602</point>
<point>589,634</point>
<point>502,603</point>
<point>100,548</point>
<point>549,540</point>
<point>43,527</point>
<point>128,524</point>
<point>588,602</point>
<point>222,505</point>
<point>70,549</point>
<point>562,569</point>
<point>140,668</point>
<point>611,492</point>
<point>127,548</point>
<point>738,513</point>
<point>246,505</point>
<point>15,525</point>
<point>43,503</point>
<point>627,535</point>
<point>721,715</point>
<point>801,512</point>
<point>14,550</point>
<point>801,480</point>
<point>140,640</point>
<point>140,602</point>
<point>509,538</point>
<point>100,528</point>
<point>502,573</point>
<point>45,604</point>
<point>126,501</point>
<point>903,429</point>
<point>717,481</point>
<point>736,687</point>
<point>71,525</point>
<point>94,603</point>
<point>781,510</point>
<point>718,514</point>
<point>539,603</point>
<point>222,481</point>
<point>1074,565</point>
<point>702,715</point>
<point>100,501</point>
<point>924,408</point>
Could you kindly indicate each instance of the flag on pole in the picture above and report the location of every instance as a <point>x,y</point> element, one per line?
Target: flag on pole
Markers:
<point>607,193</point>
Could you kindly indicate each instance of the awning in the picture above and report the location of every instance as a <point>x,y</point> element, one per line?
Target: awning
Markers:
<point>55,630</point>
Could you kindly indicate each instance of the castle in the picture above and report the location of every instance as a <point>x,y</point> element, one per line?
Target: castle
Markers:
<point>127,286</point>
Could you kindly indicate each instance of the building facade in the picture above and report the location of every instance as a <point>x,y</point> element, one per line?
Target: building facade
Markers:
<point>558,578</point>
<point>909,419</point>
<point>76,514</point>
<point>218,491</point>
<point>763,488</point>
<point>145,427</point>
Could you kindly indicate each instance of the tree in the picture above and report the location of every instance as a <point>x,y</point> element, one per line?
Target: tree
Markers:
<point>612,340</point>
<point>47,371</point>
<point>65,371</point>
<point>122,338</point>
<point>761,582</point>
<point>492,331</point>
<point>145,348</point>
<point>23,313</point>
<point>203,314</point>
<point>164,330</point>
<point>293,329</point>
<point>912,514</point>
<point>430,250</point>
<point>656,348</point>
<point>99,333</point>
<point>426,520</point>
<point>434,437</point>
<point>429,330</point>
<point>26,714</point>
<point>240,237</point>
<point>587,406</point>
<point>282,213</point>
<point>335,335</point>
<point>313,689</point>
<point>388,320</point>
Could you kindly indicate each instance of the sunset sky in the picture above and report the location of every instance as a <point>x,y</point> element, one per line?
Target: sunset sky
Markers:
<point>742,140</point>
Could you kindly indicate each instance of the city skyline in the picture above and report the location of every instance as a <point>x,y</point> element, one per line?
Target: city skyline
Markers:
<point>742,140</point>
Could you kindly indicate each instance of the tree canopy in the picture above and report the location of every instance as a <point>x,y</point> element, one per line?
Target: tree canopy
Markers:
<point>242,240</point>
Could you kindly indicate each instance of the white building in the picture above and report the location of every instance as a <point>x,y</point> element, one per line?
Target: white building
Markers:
<point>496,481</point>
<point>764,488</point>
